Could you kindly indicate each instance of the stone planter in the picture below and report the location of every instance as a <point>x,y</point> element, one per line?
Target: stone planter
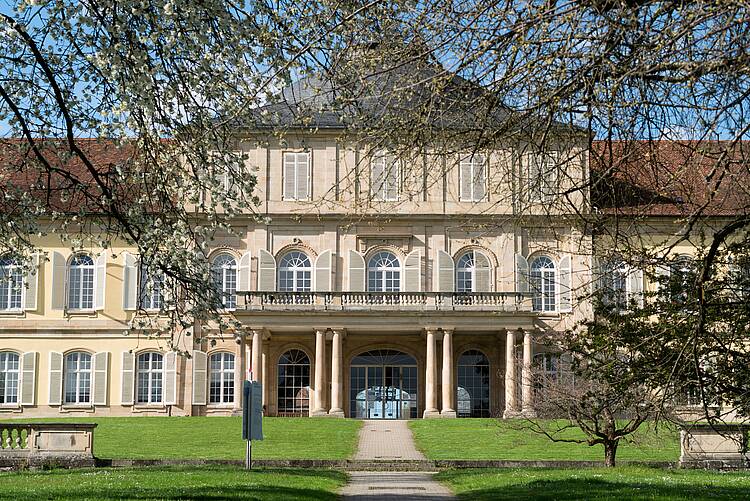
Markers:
<point>47,444</point>
<point>714,446</point>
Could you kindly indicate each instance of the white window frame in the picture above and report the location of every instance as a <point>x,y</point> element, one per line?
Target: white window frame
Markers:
<point>300,274</point>
<point>379,189</point>
<point>295,197</point>
<point>228,294</point>
<point>11,273</point>
<point>6,384</point>
<point>151,372</point>
<point>383,271</point>
<point>539,188</point>
<point>468,270</point>
<point>79,270</point>
<point>79,373</point>
<point>150,295</point>
<point>473,163</point>
<point>547,277</point>
<point>225,376</point>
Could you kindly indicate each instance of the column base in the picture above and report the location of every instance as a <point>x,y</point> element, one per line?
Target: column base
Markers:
<point>431,413</point>
<point>528,413</point>
<point>448,413</point>
<point>339,413</point>
<point>512,414</point>
<point>319,413</point>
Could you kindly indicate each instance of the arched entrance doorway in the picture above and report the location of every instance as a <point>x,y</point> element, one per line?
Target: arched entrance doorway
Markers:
<point>383,385</point>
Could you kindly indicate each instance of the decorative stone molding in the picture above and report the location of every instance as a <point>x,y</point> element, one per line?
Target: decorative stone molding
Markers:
<point>297,245</point>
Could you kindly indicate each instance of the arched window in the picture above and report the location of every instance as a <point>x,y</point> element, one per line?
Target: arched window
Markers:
<point>473,272</point>
<point>150,376</point>
<point>221,378</point>
<point>682,276</point>
<point>8,378</point>
<point>383,273</point>
<point>81,283</point>
<point>542,280</point>
<point>295,272</point>
<point>473,391</point>
<point>11,284</point>
<point>77,369</point>
<point>224,275</point>
<point>294,384</point>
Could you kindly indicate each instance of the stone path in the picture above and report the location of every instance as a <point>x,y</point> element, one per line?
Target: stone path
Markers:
<point>383,440</point>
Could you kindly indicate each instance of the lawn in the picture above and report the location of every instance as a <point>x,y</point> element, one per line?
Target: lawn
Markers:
<point>496,439</point>
<point>220,438</point>
<point>596,483</point>
<point>172,483</point>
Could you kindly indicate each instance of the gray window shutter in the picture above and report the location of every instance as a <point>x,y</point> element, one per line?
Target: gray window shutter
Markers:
<point>446,274</point>
<point>200,373</point>
<point>170,378</point>
<point>28,378</point>
<point>127,378</point>
<point>356,271</point>
<point>31,290</point>
<point>59,268</point>
<point>100,280</point>
<point>323,276</point>
<point>101,371</point>
<point>243,273</point>
<point>465,181</point>
<point>522,274</point>
<point>129,282</point>
<point>266,271</point>
<point>635,287</point>
<point>303,176</point>
<point>377,177</point>
<point>413,272</point>
<point>290,176</point>
<point>565,300</point>
<point>482,273</point>
<point>55,377</point>
<point>393,179</point>
<point>480,178</point>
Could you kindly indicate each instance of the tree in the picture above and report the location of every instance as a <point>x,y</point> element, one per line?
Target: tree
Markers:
<point>591,388</point>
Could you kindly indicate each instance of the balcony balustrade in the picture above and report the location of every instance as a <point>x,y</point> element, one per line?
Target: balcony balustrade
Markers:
<point>384,301</point>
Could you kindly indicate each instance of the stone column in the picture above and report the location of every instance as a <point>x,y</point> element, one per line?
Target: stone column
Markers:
<point>239,377</point>
<point>447,375</point>
<point>430,383</point>
<point>256,367</point>
<point>264,372</point>
<point>337,370</point>
<point>526,377</point>
<point>511,403</point>
<point>320,373</point>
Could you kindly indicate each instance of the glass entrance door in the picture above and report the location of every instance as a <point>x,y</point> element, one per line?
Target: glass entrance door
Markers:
<point>383,386</point>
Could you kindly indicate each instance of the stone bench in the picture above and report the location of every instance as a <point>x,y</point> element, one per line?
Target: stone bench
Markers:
<point>46,444</point>
<point>703,445</point>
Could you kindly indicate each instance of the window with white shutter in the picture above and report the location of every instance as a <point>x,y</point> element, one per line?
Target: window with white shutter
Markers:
<point>473,182</point>
<point>385,178</point>
<point>296,176</point>
<point>542,176</point>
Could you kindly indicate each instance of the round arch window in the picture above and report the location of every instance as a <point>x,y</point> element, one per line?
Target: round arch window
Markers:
<point>383,273</point>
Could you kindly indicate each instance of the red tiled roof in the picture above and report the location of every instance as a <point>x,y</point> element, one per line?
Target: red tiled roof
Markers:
<point>671,178</point>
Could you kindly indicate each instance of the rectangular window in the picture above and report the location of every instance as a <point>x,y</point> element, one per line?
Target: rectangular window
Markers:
<point>473,182</point>
<point>542,176</point>
<point>151,290</point>
<point>385,178</point>
<point>296,176</point>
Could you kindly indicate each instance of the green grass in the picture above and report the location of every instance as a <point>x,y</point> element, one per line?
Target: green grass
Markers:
<point>596,483</point>
<point>220,438</point>
<point>495,439</point>
<point>172,483</point>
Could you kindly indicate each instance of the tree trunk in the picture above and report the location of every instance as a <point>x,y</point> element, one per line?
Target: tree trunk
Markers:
<point>610,450</point>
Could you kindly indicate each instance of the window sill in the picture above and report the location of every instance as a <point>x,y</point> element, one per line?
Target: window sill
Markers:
<point>88,408</point>
<point>10,408</point>
<point>81,313</point>
<point>145,408</point>
<point>13,313</point>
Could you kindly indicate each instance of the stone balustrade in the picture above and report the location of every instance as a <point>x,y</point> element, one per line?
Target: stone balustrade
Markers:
<point>704,445</point>
<point>37,444</point>
<point>377,301</point>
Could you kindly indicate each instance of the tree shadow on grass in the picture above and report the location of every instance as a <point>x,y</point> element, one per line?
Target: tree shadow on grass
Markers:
<point>576,489</point>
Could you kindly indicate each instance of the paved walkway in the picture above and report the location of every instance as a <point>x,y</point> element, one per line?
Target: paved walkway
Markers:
<point>383,440</point>
<point>386,439</point>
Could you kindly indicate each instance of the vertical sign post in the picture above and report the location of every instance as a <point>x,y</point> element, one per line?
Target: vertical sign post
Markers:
<point>252,417</point>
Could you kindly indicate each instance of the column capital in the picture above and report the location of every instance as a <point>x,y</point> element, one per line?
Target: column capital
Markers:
<point>320,329</point>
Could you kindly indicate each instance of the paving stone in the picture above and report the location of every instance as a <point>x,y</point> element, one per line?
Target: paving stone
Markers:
<point>378,485</point>
<point>382,440</point>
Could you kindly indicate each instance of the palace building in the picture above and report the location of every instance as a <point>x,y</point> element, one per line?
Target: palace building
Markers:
<point>379,287</point>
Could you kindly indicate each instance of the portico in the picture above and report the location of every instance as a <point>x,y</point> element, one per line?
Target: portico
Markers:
<point>395,366</point>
